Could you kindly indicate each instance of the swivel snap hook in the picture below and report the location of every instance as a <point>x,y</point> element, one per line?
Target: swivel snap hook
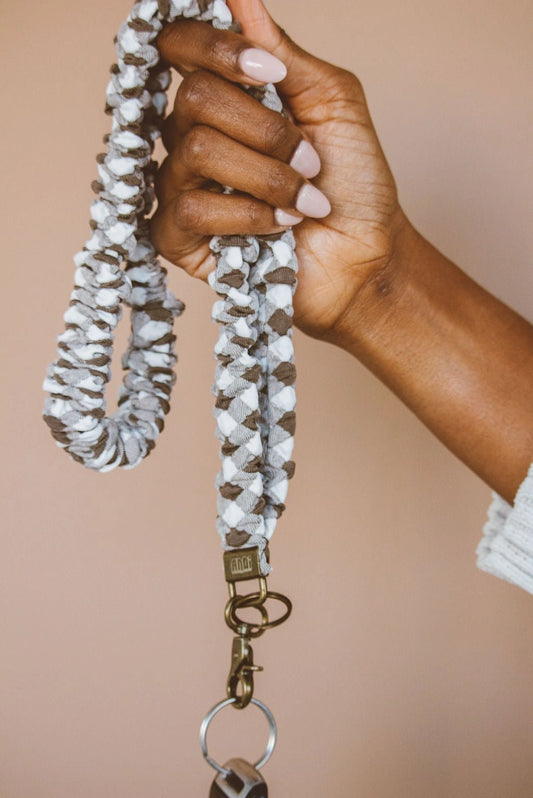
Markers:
<point>240,684</point>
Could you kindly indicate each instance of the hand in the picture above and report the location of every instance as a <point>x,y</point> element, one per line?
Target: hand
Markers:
<point>218,135</point>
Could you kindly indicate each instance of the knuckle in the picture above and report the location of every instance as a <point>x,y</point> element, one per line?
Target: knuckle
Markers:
<point>195,146</point>
<point>351,81</point>
<point>157,234</point>
<point>277,181</point>
<point>192,92</point>
<point>285,39</point>
<point>277,138</point>
<point>256,217</point>
<point>221,52</point>
<point>188,212</point>
<point>171,40</point>
<point>253,215</point>
<point>343,84</point>
<point>165,39</point>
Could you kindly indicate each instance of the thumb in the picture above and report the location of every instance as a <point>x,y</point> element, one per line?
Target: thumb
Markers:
<point>305,73</point>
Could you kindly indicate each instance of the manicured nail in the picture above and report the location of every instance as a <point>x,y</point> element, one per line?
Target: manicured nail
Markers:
<point>312,202</point>
<point>262,66</point>
<point>285,219</point>
<point>305,160</point>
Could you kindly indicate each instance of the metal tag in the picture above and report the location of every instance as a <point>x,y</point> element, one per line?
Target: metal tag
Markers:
<point>242,564</point>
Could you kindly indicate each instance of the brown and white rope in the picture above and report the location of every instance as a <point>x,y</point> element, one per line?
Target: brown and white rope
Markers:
<point>255,280</point>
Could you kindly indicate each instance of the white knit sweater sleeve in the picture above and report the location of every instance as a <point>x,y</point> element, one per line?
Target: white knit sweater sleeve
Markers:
<point>506,549</point>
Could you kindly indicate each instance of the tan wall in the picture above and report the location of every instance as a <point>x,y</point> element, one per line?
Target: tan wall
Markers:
<point>404,673</point>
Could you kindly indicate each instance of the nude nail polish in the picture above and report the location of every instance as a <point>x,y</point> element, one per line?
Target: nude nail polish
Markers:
<point>311,202</point>
<point>285,219</point>
<point>306,160</point>
<point>262,66</point>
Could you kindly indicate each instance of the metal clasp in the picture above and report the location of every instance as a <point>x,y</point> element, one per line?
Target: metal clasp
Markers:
<point>243,565</point>
<point>240,684</point>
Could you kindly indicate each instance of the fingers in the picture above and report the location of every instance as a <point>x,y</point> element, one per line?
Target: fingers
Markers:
<point>207,154</point>
<point>220,136</point>
<point>178,227</point>
<point>205,99</point>
<point>190,45</point>
<point>307,76</point>
<point>264,55</point>
<point>206,213</point>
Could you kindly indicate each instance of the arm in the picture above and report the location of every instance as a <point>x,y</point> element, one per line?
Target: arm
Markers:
<point>368,282</point>
<point>461,360</point>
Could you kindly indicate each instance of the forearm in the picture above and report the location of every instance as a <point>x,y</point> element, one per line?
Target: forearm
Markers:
<point>461,360</point>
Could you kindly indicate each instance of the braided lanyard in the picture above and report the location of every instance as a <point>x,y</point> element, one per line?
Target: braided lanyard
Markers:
<point>255,279</point>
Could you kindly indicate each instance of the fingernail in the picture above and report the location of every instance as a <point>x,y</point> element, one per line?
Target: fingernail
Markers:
<point>305,160</point>
<point>262,66</point>
<point>312,202</point>
<point>285,219</point>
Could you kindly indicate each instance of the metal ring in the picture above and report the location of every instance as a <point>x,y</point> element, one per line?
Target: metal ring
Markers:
<point>235,603</point>
<point>272,736</point>
<point>246,627</point>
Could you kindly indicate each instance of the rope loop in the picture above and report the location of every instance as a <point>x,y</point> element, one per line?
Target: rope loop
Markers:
<point>254,278</point>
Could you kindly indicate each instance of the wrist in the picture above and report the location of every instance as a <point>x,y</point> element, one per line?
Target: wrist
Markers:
<point>377,294</point>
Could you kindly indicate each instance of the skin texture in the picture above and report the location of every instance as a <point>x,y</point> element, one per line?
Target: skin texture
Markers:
<point>368,281</point>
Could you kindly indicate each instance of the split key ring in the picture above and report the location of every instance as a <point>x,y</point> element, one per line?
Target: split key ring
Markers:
<point>272,736</point>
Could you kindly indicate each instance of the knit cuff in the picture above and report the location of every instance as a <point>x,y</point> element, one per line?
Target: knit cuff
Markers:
<point>506,549</point>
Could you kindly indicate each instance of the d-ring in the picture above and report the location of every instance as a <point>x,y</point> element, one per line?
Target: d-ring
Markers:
<point>255,630</point>
<point>272,736</point>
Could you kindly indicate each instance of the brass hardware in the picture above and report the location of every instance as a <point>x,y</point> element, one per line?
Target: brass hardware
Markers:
<point>242,564</point>
<point>245,628</point>
<point>240,684</point>
<point>256,601</point>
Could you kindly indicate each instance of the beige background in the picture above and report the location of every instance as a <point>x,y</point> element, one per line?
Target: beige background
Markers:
<point>405,672</point>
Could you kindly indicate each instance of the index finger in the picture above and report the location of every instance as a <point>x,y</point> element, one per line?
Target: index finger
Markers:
<point>190,45</point>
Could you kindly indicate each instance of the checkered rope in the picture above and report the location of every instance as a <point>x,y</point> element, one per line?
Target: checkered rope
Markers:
<point>254,386</point>
<point>255,279</point>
